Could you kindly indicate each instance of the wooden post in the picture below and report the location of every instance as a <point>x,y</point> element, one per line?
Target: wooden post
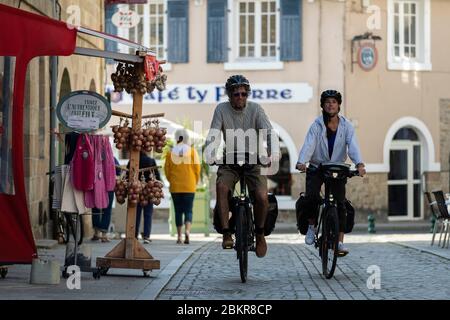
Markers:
<point>129,253</point>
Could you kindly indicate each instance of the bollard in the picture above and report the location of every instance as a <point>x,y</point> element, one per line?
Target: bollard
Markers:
<point>433,221</point>
<point>371,219</point>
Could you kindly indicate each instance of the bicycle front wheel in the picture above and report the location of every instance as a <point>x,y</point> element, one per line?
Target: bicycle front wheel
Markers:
<point>330,241</point>
<point>241,242</point>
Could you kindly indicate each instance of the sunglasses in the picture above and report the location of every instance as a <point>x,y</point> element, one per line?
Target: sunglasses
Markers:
<point>242,94</point>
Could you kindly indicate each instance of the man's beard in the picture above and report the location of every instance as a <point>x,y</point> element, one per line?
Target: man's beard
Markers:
<point>238,105</point>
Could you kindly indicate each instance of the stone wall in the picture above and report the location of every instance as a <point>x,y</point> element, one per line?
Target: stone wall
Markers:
<point>445,143</point>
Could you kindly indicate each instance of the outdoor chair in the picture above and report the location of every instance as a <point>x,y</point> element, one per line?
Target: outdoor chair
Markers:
<point>442,206</point>
<point>437,216</point>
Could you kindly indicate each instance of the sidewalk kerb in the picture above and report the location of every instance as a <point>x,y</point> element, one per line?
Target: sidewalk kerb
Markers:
<point>419,249</point>
<point>152,290</point>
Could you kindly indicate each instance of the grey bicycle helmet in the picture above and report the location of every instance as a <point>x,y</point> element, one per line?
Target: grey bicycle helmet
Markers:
<point>235,81</point>
<point>330,94</point>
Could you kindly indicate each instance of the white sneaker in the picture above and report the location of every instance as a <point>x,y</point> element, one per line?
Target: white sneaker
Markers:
<point>310,235</point>
<point>342,251</point>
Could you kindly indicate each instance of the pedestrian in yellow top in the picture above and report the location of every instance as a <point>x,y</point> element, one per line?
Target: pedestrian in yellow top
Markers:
<point>182,169</point>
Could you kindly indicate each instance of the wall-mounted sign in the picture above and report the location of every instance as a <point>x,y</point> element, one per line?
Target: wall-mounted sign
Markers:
<point>264,93</point>
<point>84,111</point>
<point>367,56</point>
<point>126,19</point>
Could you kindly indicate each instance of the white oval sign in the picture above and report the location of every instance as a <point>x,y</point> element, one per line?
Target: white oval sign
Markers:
<point>84,111</point>
<point>126,19</point>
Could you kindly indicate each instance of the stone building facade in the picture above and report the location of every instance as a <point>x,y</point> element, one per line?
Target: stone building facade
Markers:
<point>74,73</point>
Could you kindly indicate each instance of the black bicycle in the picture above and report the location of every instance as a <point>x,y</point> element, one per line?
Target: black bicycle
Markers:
<point>327,234</point>
<point>242,210</point>
<point>68,224</point>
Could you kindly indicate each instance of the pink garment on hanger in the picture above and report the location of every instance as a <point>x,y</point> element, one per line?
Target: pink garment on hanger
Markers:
<point>104,176</point>
<point>83,164</point>
<point>109,166</point>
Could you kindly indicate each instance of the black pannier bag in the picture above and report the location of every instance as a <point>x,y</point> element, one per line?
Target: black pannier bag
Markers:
<point>272,215</point>
<point>269,224</point>
<point>350,217</point>
<point>301,214</point>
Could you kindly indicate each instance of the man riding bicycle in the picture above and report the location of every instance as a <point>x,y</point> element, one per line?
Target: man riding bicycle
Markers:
<point>239,119</point>
<point>330,139</point>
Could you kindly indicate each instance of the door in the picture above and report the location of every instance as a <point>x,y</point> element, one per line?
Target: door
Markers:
<point>404,181</point>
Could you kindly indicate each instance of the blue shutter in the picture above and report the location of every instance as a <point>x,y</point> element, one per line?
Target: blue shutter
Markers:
<point>110,28</point>
<point>291,30</point>
<point>178,31</point>
<point>217,30</point>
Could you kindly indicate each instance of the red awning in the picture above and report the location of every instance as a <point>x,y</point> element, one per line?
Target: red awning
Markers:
<point>25,36</point>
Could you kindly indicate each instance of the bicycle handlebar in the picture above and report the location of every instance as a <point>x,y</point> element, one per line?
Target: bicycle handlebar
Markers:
<point>350,173</point>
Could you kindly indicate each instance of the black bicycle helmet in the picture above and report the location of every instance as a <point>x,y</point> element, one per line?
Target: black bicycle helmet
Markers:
<point>330,94</point>
<point>235,81</point>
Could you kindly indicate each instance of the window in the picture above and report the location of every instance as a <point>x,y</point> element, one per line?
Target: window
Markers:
<point>405,28</point>
<point>257,29</point>
<point>254,34</point>
<point>409,35</point>
<point>151,30</point>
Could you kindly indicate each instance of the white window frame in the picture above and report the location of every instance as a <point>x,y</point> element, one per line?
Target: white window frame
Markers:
<point>256,63</point>
<point>124,32</point>
<point>422,62</point>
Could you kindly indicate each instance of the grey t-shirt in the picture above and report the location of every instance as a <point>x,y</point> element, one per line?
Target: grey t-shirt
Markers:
<point>252,122</point>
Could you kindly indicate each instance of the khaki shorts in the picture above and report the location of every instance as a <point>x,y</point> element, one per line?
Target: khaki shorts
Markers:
<point>253,178</point>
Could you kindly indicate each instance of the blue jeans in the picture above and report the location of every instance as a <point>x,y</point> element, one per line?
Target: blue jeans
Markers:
<point>101,221</point>
<point>148,213</point>
<point>183,203</point>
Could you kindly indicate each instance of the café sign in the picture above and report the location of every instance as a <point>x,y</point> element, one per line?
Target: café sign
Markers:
<point>84,111</point>
<point>263,93</point>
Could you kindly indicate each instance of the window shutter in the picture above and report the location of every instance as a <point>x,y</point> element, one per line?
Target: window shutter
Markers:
<point>217,31</point>
<point>178,31</point>
<point>291,30</point>
<point>110,28</point>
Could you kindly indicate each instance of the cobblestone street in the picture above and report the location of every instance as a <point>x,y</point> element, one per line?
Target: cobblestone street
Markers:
<point>292,270</point>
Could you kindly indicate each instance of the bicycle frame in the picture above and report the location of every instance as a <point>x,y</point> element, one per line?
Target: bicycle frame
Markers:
<point>327,233</point>
<point>245,201</point>
<point>327,203</point>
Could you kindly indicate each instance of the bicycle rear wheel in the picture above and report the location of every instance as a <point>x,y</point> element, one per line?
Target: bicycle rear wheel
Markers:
<point>330,241</point>
<point>241,242</point>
